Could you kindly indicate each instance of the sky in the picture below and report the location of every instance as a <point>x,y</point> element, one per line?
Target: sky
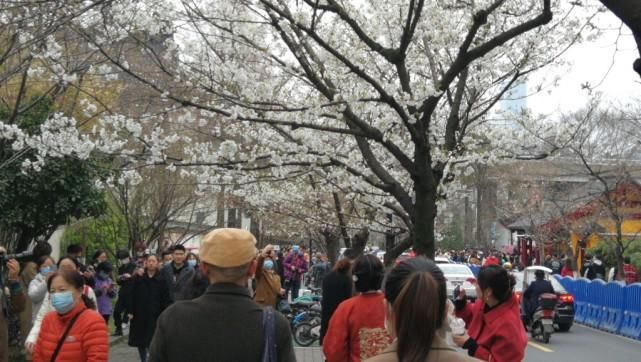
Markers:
<point>605,63</point>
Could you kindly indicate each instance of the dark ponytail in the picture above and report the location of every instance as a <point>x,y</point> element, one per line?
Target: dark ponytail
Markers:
<point>499,280</point>
<point>416,289</point>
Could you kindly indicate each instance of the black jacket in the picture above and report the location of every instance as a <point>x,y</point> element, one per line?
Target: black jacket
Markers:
<point>124,282</point>
<point>532,293</point>
<point>224,325</point>
<point>176,282</point>
<point>337,287</point>
<point>149,297</point>
<point>596,270</point>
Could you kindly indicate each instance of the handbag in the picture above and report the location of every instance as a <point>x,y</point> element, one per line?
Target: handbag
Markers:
<point>64,336</point>
<point>270,351</point>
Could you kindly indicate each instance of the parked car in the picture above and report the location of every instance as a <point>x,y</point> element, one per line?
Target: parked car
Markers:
<point>564,316</point>
<point>442,260</point>
<point>458,275</point>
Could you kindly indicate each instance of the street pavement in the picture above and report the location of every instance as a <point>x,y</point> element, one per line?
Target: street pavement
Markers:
<point>580,344</point>
<point>121,352</point>
<point>585,344</point>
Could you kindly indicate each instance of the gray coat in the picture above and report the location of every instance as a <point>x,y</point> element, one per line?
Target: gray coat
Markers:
<point>176,283</point>
<point>224,325</point>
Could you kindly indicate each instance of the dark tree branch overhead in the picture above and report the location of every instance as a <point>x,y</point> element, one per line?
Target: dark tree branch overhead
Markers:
<point>629,11</point>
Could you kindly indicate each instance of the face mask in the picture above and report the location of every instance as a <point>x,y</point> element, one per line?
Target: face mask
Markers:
<point>269,265</point>
<point>45,271</point>
<point>102,275</point>
<point>124,261</point>
<point>192,262</point>
<point>62,302</point>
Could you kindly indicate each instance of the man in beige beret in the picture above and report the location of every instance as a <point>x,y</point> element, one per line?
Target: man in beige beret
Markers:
<point>224,324</point>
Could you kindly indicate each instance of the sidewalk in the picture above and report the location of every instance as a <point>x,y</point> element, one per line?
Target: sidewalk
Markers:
<point>308,354</point>
<point>119,351</point>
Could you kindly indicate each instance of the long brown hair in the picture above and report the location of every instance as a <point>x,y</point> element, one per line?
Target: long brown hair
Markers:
<point>416,290</point>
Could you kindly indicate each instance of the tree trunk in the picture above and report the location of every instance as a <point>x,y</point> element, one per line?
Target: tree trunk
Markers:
<point>392,252</point>
<point>618,251</point>
<point>359,241</point>
<point>220,208</point>
<point>422,234</point>
<point>341,220</point>
<point>331,242</point>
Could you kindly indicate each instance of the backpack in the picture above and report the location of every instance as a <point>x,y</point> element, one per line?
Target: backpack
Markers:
<point>270,351</point>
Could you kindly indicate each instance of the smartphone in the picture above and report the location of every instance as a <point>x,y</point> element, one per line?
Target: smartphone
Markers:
<point>457,291</point>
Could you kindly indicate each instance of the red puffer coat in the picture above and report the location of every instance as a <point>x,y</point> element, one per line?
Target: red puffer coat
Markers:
<point>88,339</point>
<point>498,332</point>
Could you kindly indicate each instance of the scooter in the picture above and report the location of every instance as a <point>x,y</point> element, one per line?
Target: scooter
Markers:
<point>542,322</point>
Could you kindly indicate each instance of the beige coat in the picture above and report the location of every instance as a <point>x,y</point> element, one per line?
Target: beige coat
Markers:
<point>267,288</point>
<point>440,352</point>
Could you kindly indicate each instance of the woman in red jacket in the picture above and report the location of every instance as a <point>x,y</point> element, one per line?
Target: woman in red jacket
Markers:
<point>494,328</point>
<point>87,338</point>
<point>357,328</point>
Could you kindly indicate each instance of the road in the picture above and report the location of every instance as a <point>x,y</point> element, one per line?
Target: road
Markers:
<point>580,344</point>
<point>585,344</point>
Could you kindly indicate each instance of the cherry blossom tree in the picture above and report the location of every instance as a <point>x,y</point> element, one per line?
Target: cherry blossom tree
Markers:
<point>384,98</point>
<point>385,101</point>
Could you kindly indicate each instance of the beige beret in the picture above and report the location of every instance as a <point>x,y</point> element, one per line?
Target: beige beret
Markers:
<point>227,248</point>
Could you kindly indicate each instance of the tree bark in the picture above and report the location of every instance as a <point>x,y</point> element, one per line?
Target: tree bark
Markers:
<point>359,241</point>
<point>422,234</point>
<point>331,243</point>
<point>341,220</point>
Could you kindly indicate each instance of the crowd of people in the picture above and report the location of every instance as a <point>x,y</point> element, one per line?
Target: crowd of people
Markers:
<point>222,303</point>
<point>134,294</point>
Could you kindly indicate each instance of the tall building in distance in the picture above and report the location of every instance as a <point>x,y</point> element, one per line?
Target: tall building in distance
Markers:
<point>512,104</point>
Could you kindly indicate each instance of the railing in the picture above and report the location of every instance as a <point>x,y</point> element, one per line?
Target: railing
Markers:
<point>612,307</point>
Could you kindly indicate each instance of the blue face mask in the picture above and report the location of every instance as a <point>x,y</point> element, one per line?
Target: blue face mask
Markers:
<point>62,302</point>
<point>268,264</point>
<point>46,270</point>
<point>192,262</point>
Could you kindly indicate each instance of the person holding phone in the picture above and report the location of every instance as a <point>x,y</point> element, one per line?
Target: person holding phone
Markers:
<point>494,328</point>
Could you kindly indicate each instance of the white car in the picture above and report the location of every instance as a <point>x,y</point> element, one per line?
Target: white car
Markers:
<point>459,275</point>
<point>442,260</point>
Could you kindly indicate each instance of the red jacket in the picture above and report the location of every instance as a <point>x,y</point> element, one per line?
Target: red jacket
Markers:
<point>499,332</point>
<point>88,339</point>
<point>492,260</point>
<point>630,274</point>
<point>567,272</point>
<point>357,330</point>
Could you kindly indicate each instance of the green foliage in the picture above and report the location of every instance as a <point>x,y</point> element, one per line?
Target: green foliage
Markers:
<point>452,237</point>
<point>107,232</point>
<point>607,252</point>
<point>34,204</point>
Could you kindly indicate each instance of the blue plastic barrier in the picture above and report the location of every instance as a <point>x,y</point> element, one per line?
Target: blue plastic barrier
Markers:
<point>614,298</point>
<point>567,283</point>
<point>613,307</point>
<point>595,294</point>
<point>475,269</point>
<point>631,324</point>
<point>580,300</point>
